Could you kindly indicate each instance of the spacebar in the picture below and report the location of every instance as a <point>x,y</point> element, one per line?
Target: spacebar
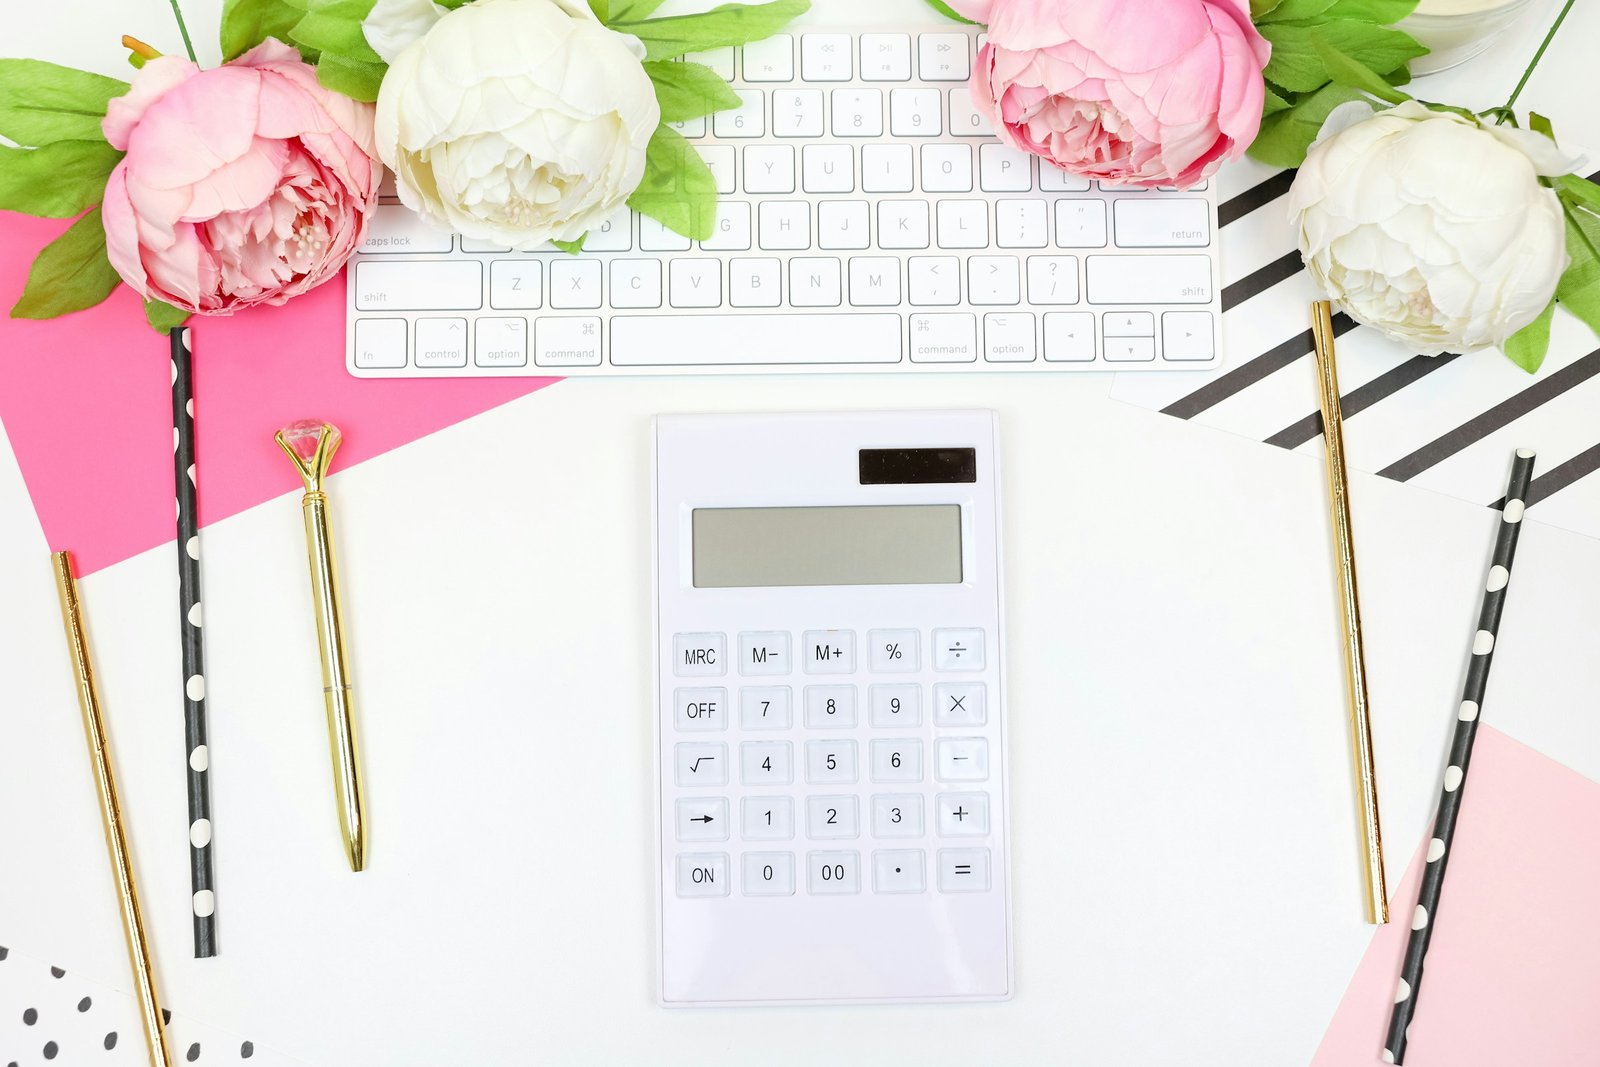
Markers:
<point>753,340</point>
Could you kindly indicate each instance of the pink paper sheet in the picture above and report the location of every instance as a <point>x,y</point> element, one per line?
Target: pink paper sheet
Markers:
<point>86,402</point>
<point>1513,972</point>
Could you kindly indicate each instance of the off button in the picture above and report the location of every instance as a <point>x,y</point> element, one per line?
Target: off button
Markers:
<point>699,655</point>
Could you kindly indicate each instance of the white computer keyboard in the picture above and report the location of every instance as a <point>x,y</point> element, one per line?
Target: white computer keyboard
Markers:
<point>868,221</point>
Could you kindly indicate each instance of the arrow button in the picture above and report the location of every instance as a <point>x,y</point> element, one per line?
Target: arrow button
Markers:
<point>702,819</point>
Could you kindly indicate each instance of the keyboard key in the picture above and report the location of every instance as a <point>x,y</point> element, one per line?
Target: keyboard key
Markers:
<point>830,707</point>
<point>935,281</point>
<point>441,342</point>
<point>765,708</point>
<point>1003,169</point>
<point>963,814</point>
<point>830,762</point>
<point>814,282</point>
<point>898,871</point>
<point>961,759</point>
<point>861,337</point>
<point>441,285</point>
<point>768,874</point>
<point>700,709</point>
<point>396,228</point>
<point>843,224</point>
<point>690,128</point>
<point>874,281</point>
<point>832,817</point>
<point>702,819</point>
<point>695,283</point>
<point>966,120</point>
<point>574,283</point>
<point>858,112</point>
<point>994,280</point>
<point>701,763</point>
<point>1148,279</point>
<point>698,655</point>
<point>516,283</point>
<point>827,168</point>
<point>825,57</point>
<point>1009,338</point>
<point>944,338</point>
<point>898,760</point>
<point>1128,324</point>
<point>785,225</point>
<point>1021,224</point>
<point>1053,179</point>
<point>703,874</point>
<point>829,651</point>
<point>943,57</point>
<point>766,763</point>
<point>380,343</point>
<point>766,818</point>
<point>749,119</point>
<point>886,168</point>
<point>960,705</point>
<point>1130,349</point>
<point>765,652</point>
<point>1162,222</point>
<point>963,870</point>
<point>885,57</point>
<point>566,341</point>
<point>1080,223</point>
<point>731,231</point>
<point>1187,335</point>
<point>897,815</point>
<point>769,168</point>
<point>754,283</point>
<point>500,342</point>
<point>895,705</point>
<point>719,158</point>
<point>1052,279</point>
<point>478,244</point>
<point>636,283</point>
<point>828,873</point>
<point>797,113</point>
<point>1069,337</point>
<point>963,224</point>
<point>958,649</point>
<point>894,651</point>
<point>718,59</point>
<point>902,223</point>
<point>771,60</point>
<point>655,236</point>
<point>915,113</point>
<point>946,168</point>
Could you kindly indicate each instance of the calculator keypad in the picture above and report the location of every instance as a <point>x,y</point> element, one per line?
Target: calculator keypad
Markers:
<point>879,748</point>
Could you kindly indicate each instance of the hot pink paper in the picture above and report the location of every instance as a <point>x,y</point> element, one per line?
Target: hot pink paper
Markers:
<point>86,402</point>
<point>1513,972</point>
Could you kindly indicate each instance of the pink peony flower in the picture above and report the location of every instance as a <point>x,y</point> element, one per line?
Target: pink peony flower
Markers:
<point>1139,92</point>
<point>245,184</point>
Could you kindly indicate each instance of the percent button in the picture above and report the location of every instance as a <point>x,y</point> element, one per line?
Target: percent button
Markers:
<point>895,651</point>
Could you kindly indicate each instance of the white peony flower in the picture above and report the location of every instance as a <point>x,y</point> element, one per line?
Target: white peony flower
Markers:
<point>512,121</point>
<point>1430,226</point>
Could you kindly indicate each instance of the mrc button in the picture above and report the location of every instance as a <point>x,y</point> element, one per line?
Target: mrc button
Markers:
<point>699,654</point>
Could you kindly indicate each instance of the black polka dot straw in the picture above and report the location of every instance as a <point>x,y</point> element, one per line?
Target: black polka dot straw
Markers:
<point>1455,774</point>
<point>203,903</point>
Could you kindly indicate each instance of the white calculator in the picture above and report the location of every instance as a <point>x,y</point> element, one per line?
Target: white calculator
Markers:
<point>830,709</point>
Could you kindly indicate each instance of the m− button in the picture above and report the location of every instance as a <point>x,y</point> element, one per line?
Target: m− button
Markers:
<point>699,654</point>
<point>764,653</point>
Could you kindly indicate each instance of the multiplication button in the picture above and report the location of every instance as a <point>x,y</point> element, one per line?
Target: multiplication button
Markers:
<point>830,651</point>
<point>958,650</point>
<point>700,709</point>
<point>699,655</point>
<point>764,653</point>
<point>963,870</point>
<point>703,874</point>
<point>959,705</point>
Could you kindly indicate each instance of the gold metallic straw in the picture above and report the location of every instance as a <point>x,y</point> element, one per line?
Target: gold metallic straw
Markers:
<point>1355,664</point>
<point>94,729</point>
<point>311,445</point>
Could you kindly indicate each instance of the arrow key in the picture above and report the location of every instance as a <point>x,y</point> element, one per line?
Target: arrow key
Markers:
<point>1188,335</point>
<point>1069,337</point>
<point>703,819</point>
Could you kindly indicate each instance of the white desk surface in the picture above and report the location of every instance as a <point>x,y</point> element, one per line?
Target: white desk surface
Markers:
<point>1186,879</point>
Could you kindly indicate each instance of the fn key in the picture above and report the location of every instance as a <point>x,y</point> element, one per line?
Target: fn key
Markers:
<point>380,344</point>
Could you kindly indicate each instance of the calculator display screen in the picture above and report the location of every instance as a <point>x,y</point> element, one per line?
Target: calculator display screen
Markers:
<point>897,544</point>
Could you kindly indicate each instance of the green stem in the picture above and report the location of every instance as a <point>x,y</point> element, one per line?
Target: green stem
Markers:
<point>1554,26</point>
<point>188,45</point>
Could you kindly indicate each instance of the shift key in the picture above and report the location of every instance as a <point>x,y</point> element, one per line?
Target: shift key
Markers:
<point>1149,279</point>
<point>424,286</point>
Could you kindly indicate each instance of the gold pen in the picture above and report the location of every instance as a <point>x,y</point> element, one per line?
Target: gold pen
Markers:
<point>311,444</point>
<point>1355,663</point>
<point>94,730</point>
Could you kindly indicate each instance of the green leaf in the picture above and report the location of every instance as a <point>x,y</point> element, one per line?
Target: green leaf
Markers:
<point>948,12</point>
<point>355,78</point>
<point>601,9</point>
<point>571,248</point>
<point>57,181</point>
<point>41,103</point>
<point>333,27</point>
<point>1287,10</point>
<point>163,317</point>
<point>678,188</point>
<point>1579,287</point>
<point>688,90</point>
<point>633,10</point>
<point>1273,103</point>
<point>70,274</point>
<point>1527,347</point>
<point>1539,124</point>
<point>246,23</point>
<point>1355,74</point>
<point>1579,190</point>
<point>721,27</point>
<point>136,61</point>
<point>1296,64</point>
<point>1383,12</point>
<point>1260,9</point>
<point>1285,135</point>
